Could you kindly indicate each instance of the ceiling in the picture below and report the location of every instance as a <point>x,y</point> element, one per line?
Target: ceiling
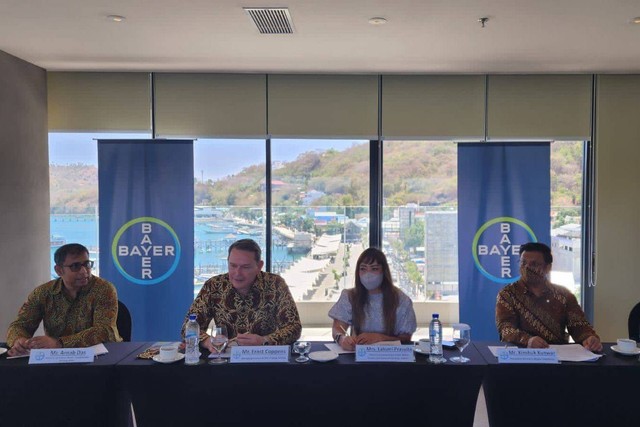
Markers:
<point>331,36</point>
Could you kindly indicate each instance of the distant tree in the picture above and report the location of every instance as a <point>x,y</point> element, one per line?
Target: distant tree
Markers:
<point>414,235</point>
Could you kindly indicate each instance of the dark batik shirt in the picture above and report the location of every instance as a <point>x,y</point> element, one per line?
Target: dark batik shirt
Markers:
<point>88,320</point>
<point>555,314</point>
<point>267,310</point>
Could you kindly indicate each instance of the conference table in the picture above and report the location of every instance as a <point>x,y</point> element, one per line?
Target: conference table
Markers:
<point>64,395</point>
<point>340,392</point>
<point>601,393</point>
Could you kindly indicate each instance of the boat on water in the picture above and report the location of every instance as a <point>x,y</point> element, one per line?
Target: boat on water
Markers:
<point>220,227</point>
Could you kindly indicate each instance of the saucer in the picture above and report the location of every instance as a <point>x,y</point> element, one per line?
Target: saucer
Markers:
<point>421,351</point>
<point>156,358</point>
<point>323,356</point>
<point>3,350</point>
<point>633,352</point>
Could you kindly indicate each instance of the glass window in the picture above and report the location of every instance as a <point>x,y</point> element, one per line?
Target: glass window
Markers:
<point>320,198</point>
<point>567,185</point>
<point>229,179</point>
<point>420,217</point>
<point>73,186</point>
<point>419,228</point>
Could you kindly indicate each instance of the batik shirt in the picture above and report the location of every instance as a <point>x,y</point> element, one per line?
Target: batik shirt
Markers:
<point>82,322</point>
<point>555,314</point>
<point>267,310</point>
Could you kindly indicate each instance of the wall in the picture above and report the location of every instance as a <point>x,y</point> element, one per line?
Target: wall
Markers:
<point>24,184</point>
<point>617,203</point>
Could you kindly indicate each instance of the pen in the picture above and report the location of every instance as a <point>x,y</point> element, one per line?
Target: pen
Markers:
<point>344,330</point>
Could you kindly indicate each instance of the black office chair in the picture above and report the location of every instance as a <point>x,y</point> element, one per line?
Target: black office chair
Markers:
<point>634,323</point>
<point>123,322</point>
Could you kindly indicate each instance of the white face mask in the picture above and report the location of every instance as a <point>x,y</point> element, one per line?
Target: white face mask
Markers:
<point>371,281</point>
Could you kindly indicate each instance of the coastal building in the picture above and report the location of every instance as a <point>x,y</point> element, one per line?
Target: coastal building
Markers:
<point>441,253</point>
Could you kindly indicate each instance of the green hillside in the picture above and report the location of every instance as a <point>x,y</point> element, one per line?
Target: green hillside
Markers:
<point>414,172</point>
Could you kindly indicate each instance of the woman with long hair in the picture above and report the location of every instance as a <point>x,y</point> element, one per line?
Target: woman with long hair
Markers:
<point>375,309</point>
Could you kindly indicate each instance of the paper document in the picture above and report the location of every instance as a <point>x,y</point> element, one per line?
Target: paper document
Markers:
<point>565,352</point>
<point>99,349</point>
<point>337,349</point>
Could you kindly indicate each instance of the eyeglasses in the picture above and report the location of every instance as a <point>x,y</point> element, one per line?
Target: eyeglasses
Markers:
<point>532,264</point>
<point>76,266</point>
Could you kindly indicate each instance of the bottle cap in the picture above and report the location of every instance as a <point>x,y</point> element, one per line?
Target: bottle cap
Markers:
<point>435,315</point>
<point>192,317</point>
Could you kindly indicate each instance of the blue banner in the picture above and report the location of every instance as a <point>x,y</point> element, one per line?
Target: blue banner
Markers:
<point>503,201</point>
<point>146,231</point>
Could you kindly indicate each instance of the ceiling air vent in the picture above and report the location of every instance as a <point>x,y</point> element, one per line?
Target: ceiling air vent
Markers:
<point>271,20</point>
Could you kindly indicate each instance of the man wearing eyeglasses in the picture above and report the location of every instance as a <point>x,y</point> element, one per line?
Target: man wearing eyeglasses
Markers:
<point>533,312</point>
<point>77,310</point>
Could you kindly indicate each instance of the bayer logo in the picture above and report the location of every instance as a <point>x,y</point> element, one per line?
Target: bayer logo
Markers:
<point>496,248</point>
<point>146,250</point>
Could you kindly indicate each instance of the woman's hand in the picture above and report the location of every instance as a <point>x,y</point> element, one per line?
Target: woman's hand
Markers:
<point>347,342</point>
<point>370,338</point>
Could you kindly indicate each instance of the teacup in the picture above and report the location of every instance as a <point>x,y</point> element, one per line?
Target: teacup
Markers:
<point>168,352</point>
<point>424,344</point>
<point>626,345</point>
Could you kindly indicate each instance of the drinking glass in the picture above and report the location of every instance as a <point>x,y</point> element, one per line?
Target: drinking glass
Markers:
<point>219,340</point>
<point>461,338</point>
<point>302,348</point>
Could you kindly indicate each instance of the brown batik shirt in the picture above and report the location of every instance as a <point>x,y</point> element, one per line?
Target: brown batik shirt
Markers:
<point>267,310</point>
<point>82,322</point>
<point>555,314</point>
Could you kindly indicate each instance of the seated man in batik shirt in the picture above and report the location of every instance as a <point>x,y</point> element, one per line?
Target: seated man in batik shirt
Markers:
<point>255,307</point>
<point>77,310</point>
<point>533,312</point>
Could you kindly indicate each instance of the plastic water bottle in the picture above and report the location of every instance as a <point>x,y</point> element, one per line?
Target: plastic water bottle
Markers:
<point>192,339</point>
<point>435,338</point>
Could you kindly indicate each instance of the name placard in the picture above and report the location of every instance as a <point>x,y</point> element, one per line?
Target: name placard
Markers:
<point>385,353</point>
<point>260,354</point>
<point>45,356</point>
<point>527,355</point>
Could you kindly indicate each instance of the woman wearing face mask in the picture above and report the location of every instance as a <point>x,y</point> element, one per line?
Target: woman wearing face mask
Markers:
<point>375,309</point>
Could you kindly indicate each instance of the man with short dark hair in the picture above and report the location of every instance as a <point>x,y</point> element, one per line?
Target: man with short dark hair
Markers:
<point>256,307</point>
<point>533,312</point>
<point>78,309</point>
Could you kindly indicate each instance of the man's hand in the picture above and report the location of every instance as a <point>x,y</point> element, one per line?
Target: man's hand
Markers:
<point>44,342</point>
<point>20,347</point>
<point>537,342</point>
<point>250,339</point>
<point>592,343</point>
<point>207,344</point>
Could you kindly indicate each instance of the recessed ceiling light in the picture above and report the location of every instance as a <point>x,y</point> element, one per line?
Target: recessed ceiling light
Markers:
<point>116,18</point>
<point>377,21</point>
<point>636,20</point>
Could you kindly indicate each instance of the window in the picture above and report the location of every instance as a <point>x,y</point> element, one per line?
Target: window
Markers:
<point>419,228</point>
<point>73,183</point>
<point>229,179</point>
<point>320,198</point>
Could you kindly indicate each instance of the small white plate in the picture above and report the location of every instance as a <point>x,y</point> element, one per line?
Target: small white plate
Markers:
<point>3,350</point>
<point>323,356</point>
<point>156,358</point>
<point>634,352</point>
<point>421,351</point>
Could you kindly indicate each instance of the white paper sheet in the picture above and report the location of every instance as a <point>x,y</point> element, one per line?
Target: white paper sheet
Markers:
<point>99,349</point>
<point>337,349</point>
<point>566,352</point>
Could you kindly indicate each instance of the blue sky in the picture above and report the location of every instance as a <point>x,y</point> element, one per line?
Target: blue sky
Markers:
<point>213,159</point>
